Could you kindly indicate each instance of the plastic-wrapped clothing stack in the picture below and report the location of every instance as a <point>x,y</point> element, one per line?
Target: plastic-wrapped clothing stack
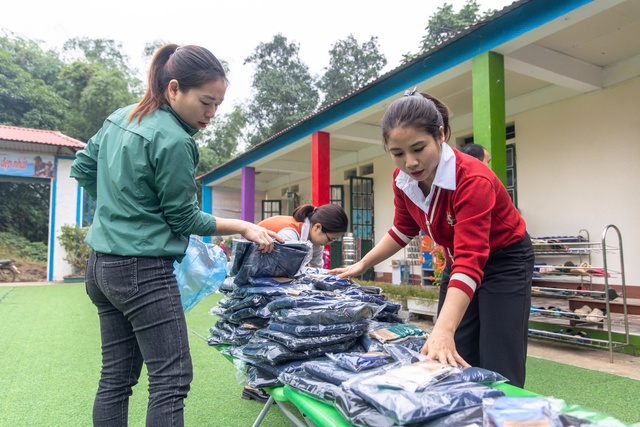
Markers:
<point>276,312</point>
<point>343,344</point>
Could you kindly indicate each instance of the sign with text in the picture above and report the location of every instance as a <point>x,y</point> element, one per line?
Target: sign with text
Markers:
<point>22,164</point>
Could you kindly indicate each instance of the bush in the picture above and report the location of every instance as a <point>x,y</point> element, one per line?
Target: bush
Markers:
<point>72,241</point>
<point>18,248</point>
<point>402,292</point>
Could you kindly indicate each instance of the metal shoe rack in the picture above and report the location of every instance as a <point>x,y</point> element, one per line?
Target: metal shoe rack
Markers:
<point>579,248</point>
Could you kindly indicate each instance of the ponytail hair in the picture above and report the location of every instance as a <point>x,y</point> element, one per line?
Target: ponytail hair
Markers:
<point>420,111</point>
<point>331,217</point>
<point>192,66</point>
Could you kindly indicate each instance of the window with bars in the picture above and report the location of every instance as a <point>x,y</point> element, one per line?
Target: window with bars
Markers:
<point>337,195</point>
<point>271,208</point>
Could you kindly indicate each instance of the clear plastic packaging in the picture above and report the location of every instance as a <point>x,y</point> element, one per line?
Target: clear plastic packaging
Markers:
<point>285,260</point>
<point>201,272</point>
<point>318,330</point>
<point>356,362</point>
<point>295,343</point>
<point>506,411</point>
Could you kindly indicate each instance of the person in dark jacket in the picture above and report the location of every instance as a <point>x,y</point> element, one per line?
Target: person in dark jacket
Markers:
<point>140,168</point>
<point>485,293</point>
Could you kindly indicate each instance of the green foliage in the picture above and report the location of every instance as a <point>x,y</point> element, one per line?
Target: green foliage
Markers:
<point>105,92</point>
<point>74,94</point>
<point>445,23</point>
<point>16,247</point>
<point>25,210</point>
<point>351,66</point>
<point>26,100</point>
<point>72,241</point>
<point>27,54</point>
<point>284,90</point>
<point>221,138</point>
<point>403,292</point>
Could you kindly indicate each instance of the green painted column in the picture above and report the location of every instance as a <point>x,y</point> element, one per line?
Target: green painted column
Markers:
<point>489,109</point>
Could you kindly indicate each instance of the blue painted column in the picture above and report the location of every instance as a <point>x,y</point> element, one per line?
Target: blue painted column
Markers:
<point>248,194</point>
<point>207,200</point>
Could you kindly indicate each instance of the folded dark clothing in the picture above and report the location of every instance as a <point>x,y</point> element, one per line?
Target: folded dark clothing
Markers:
<point>269,291</point>
<point>284,260</point>
<point>274,353</point>
<point>351,406</point>
<point>342,311</point>
<point>413,406</point>
<point>318,330</point>
<point>295,343</point>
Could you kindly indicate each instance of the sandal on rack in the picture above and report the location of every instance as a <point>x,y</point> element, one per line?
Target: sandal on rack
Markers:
<point>596,315</point>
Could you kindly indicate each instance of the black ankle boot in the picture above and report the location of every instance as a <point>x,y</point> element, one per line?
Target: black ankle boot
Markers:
<point>256,394</point>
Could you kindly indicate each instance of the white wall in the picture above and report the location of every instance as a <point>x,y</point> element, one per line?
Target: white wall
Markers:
<point>226,203</point>
<point>62,211</point>
<point>577,165</point>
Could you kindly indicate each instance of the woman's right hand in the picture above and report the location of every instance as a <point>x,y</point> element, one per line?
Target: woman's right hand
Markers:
<point>354,270</point>
<point>265,239</point>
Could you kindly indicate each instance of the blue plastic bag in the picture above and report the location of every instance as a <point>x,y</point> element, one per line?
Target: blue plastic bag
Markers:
<point>201,272</point>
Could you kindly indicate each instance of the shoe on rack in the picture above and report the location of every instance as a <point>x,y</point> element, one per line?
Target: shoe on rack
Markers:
<point>259,395</point>
<point>595,316</point>
<point>584,310</point>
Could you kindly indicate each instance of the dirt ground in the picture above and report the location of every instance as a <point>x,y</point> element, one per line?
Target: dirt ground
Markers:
<point>31,271</point>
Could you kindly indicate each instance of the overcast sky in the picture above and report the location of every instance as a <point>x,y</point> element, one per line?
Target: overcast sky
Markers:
<point>231,29</point>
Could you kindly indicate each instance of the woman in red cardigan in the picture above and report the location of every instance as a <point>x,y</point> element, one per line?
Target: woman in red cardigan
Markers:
<point>485,293</point>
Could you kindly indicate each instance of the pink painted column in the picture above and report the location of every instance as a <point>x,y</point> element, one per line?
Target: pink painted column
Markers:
<point>320,165</point>
<point>248,194</point>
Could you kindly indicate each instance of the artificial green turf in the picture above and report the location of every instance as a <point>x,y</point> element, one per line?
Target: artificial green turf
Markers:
<point>50,365</point>
<point>603,392</point>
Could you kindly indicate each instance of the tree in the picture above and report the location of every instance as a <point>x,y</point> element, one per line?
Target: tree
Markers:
<point>96,81</point>
<point>285,91</point>
<point>105,92</point>
<point>25,209</point>
<point>26,97</point>
<point>27,54</point>
<point>222,138</point>
<point>445,23</point>
<point>351,66</point>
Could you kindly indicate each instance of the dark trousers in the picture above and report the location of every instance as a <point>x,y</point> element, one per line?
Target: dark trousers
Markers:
<point>141,320</point>
<point>493,332</point>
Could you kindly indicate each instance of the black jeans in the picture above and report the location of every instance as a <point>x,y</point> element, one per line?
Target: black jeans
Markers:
<point>493,332</point>
<point>141,320</point>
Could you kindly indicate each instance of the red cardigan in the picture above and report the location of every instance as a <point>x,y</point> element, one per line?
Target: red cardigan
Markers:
<point>470,221</point>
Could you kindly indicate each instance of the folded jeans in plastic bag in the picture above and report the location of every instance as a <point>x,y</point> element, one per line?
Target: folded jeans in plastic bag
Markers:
<point>285,260</point>
<point>201,272</point>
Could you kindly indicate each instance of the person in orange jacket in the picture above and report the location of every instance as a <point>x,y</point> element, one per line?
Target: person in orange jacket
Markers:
<point>319,225</point>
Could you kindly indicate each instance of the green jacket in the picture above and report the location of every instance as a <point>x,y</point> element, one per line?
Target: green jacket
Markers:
<point>143,179</point>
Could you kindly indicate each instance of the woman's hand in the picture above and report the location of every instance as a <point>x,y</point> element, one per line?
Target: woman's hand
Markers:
<point>354,270</point>
<point>440,346</point>
<point>265,239</point>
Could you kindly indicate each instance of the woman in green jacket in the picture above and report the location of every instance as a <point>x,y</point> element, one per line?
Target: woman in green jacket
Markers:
<point>140,168</point>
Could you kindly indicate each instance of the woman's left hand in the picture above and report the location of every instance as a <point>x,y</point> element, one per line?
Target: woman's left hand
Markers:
<point>441,346</point>
<point>265,239</point>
